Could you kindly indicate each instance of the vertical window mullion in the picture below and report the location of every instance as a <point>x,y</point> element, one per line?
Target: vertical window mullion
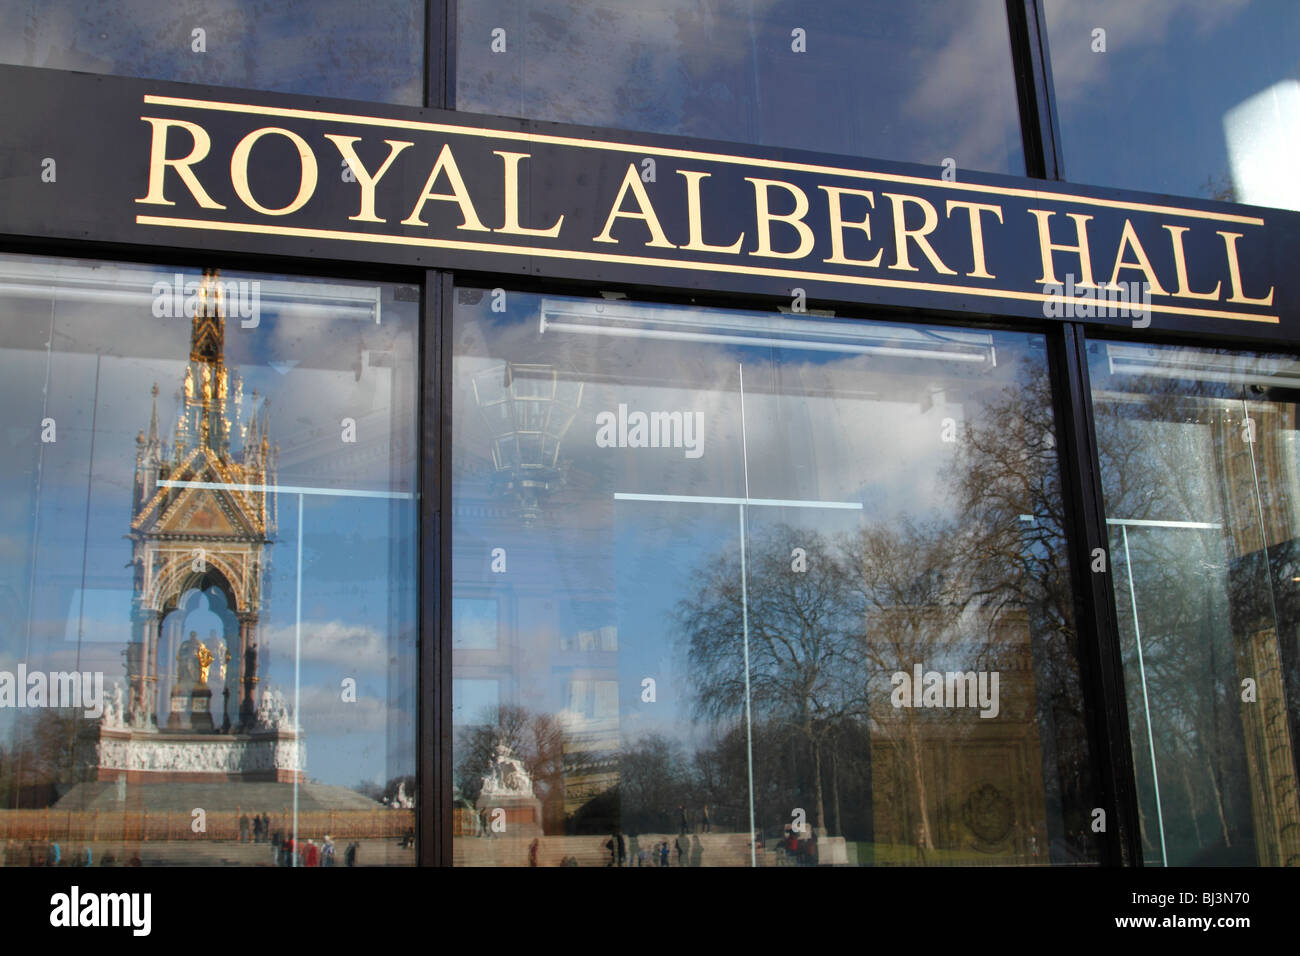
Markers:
<point>443,694</point>
<point>1096,622</point>
<point>449,39</point>
<point>1033,71</point>
<point>439,52</point>
<point>433,707</point>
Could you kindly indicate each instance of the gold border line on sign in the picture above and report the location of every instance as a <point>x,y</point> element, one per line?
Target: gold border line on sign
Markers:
<point>321,115</point>
<point>306,233</point>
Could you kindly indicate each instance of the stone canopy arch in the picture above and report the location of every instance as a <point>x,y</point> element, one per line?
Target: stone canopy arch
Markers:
<point>202,514</point>
<point>178,576</point>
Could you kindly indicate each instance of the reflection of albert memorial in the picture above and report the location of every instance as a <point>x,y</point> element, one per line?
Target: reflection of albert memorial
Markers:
<point>201,520</point>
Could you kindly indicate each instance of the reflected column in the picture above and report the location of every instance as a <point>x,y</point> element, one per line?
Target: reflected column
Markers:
<point>247,671</point>
<point>150,686</point>
<point>141,665</point>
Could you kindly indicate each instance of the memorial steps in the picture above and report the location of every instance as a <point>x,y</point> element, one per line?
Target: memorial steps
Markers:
<point>705,849</point>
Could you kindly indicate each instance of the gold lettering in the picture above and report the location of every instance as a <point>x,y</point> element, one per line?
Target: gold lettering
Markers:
<point>459,194</point>
<point>632,181</point>
<point>973,210</point>
<point>1048,247</point>
<point>694,219</point>
<point>1234,273</point>
<point>158,162</point>
<point>902,233</point>
<point>365,180</point>
<point>765,219</point>
<point>838,225</point>
<point>239,171</point>
<point>1128,239</point>
<point>512,226</point>
<point>1180,268</point>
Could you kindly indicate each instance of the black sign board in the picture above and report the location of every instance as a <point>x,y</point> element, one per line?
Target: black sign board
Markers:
<point>221,171</point>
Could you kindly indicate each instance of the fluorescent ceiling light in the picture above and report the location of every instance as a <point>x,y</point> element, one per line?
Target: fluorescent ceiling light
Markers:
<point>1200,366</point>
<point>619,319</point>
<point>135,288</point>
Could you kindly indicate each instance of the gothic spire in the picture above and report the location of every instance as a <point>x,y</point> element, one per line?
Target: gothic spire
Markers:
<point>208,327</point>
<point>204,420</point>
<point>153,419</point>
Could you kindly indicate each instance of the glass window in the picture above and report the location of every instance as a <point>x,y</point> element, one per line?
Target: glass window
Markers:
<point>1199,453</point>
<point>922,81</point>
<point>207,567</point>
<point>1187,97</point>
<point>721,573</point>
<point>371,51</point>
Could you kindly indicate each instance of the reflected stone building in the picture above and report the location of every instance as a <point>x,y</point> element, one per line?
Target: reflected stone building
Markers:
<point>954,785</point>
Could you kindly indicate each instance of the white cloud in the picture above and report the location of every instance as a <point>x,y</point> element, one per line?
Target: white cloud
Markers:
<point>324,712</point>
<point>333,643</point>
<point>1131,29</point>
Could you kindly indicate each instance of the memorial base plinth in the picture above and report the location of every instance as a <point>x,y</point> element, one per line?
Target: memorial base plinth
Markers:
<point>152,756</point>
<point>190,710</point>
<point>201,711</point>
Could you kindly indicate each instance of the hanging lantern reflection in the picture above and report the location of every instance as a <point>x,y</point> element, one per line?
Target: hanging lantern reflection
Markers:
<point>528,409</point>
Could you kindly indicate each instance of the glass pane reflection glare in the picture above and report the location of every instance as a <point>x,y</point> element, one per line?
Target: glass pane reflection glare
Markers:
<point>697,554</point>
<point>1213,87</point>
<point>1199,463</point>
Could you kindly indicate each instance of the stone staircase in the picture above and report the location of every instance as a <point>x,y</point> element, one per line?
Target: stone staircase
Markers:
<point>226,853</point>
<point>702,849</point>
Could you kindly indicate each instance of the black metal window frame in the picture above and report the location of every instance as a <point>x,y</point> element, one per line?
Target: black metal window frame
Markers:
<point>1095,611</point>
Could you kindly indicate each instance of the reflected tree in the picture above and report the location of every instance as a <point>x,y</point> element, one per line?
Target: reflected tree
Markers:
<point>800,641</point>
<point>655,777</point>
<point>38,765</point>
<point>1194,462</point>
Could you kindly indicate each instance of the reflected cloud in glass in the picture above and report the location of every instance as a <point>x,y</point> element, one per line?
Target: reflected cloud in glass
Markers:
<point>919,81</point>
<point>372,51</point>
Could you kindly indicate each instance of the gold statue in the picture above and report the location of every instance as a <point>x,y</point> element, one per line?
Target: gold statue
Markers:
<point>193,661</point>
<point>205,661</point>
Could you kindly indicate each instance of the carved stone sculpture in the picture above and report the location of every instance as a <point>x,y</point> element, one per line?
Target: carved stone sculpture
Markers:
<point>506,774</point>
